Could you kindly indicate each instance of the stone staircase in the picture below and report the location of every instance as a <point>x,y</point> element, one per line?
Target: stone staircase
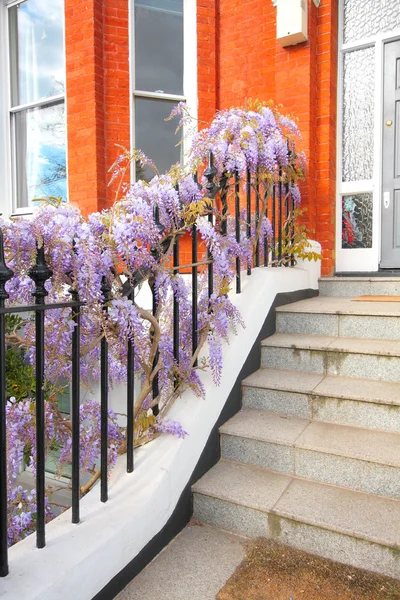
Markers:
<point>313,458</point>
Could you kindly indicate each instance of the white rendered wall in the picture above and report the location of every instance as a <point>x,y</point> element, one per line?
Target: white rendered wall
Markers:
<point>79,560</point>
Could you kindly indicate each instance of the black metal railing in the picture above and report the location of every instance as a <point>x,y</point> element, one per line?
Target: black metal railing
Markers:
<point>256,201</point>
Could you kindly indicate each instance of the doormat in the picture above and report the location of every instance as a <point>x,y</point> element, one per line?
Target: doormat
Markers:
<point>272,571</point>
<point>376,299</point>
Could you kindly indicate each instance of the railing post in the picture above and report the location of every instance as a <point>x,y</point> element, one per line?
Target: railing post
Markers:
<point>237,229</point>
<point>40,273</point>
<point>75,406</point>
<point>224,212</point>
<point>212,189</point>
<point>130,395</point>
<point>106,291</point>
<point>248,215</point>
<point>5,275</point>
<point>257,221</point>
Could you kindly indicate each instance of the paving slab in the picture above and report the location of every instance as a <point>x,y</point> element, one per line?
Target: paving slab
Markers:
<point>358,514</point>
<point>352,442</point>
<point>187,567</point>
<point>330,305</point>
<point>243,484</point>
<point>264,426</point>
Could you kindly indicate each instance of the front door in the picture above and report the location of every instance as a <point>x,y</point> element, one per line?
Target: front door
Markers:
<point>390,257</point>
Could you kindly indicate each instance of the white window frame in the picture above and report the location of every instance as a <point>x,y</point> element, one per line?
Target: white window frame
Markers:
<point>189,70</point>
<point>8,162</point>
<point>361,259</point>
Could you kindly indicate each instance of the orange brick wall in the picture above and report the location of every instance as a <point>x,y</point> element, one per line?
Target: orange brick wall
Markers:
<point>237,41</point>
<point>98,112</point>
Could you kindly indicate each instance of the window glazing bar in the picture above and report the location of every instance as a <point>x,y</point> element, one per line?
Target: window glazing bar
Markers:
<point>159,95</point>
<point>39,103</point>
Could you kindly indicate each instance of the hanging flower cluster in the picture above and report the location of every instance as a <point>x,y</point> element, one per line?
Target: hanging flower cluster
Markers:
<point>128,247</point>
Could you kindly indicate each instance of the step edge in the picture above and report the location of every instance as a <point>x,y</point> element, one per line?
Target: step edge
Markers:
<point>282,514</point>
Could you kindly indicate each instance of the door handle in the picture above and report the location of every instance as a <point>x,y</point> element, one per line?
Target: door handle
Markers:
<point>386,199</point>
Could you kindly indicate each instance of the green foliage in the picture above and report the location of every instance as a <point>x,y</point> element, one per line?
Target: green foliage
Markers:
<point>295,240</point>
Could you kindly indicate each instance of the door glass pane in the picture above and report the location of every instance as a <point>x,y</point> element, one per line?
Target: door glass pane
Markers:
<point>37,50</point>
<point>358,114</point>
<point>159,46</point>
<point>155,136</point>
<point>357,221</point>
<point>365,18</point>
<point>39,137</point>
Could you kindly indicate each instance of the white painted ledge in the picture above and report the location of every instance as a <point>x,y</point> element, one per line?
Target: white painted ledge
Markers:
<point>79,560</point>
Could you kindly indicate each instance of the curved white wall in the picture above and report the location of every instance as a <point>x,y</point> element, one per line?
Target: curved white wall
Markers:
<point>79,560</point>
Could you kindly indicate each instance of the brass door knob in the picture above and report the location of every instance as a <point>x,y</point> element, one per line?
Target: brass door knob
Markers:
<point>389,123</point>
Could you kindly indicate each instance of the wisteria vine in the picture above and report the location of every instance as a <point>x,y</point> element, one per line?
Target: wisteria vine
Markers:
<point>130,244</point>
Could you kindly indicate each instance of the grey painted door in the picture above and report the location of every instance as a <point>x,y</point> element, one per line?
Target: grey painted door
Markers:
<point>390,257</point>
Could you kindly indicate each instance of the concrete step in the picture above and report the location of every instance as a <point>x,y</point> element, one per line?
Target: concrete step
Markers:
<point>348,357</point>
<point>350,527</point>
<point>351,457</point>
<point>359,286</point>
<point>340,317</point>
<point>335,399</point>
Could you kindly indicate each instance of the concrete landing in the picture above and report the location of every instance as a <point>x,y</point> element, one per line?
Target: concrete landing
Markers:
<point>195,566</point>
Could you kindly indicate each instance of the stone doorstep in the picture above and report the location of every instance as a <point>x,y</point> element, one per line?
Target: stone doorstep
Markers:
<point>368,445</point>
<point>357,514</point>
<point>325,386</point>
<point>330,305</point>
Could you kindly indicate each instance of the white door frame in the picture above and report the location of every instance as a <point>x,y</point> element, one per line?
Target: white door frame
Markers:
<point>360,259</point>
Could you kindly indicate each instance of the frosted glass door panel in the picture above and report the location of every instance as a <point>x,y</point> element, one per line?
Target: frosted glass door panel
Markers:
<point>366,18</point>
<point>358,114</point>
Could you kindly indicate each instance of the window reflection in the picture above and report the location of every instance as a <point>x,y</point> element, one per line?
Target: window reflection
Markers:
<point>37,50</point>
<point>155,136</point>
<point>159,46</point>
<point>40,153</point>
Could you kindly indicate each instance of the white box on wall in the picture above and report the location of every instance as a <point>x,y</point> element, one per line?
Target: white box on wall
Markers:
<point>291,22</point>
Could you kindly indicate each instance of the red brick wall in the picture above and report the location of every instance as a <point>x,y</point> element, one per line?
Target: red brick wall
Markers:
<point>97,64</point>
<point>237,40</point>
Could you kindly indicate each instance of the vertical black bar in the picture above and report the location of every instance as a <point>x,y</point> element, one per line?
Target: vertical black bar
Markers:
<point>224,214</point>
<point>130,371</point>
<point>194,292</point>
<point>248,215</point>
<point>75,407</point>
<point>292,262</point>
<point>176,302</point>
<point>155,386</point>
<point>266,249</point>
<point>40,272</point>
<point>237,229</point>
<point>212,189</point>
<point>257,222</point>
<point>287,226</point>
<point>273,224</point>
<point>280,208</point>
<point>5,275</point>
<point>105,288</point>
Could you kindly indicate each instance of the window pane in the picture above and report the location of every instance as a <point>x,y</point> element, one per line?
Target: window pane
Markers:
<point>36,50</point>
<point>155,136</point>
<point>40,153</point>
<point>364,18</point>
<point>358,114</point>
<point>357,221</point>
<point>159,46</point>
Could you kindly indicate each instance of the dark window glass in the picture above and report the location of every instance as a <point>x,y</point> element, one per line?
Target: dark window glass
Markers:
<point>155,136</point>
<point>159,46</point>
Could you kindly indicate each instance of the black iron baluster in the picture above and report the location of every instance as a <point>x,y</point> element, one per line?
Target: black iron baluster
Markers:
<point>212,189</point>
<point>257,221</point>
<point>292,206</point>
<point>266,248</point>
<point>40,273</point>
<point>155,386</point>
<point>248,216</point>
<point>224,212</point>
<point>280,208</point>
<point>130,370</point>
<point>5,275</point>
<point>106,291</point>
<point>194,291</point>
<point>273,256</point>
<point>176,302</point>
<point>237,229</point>
<point>75,406</point>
